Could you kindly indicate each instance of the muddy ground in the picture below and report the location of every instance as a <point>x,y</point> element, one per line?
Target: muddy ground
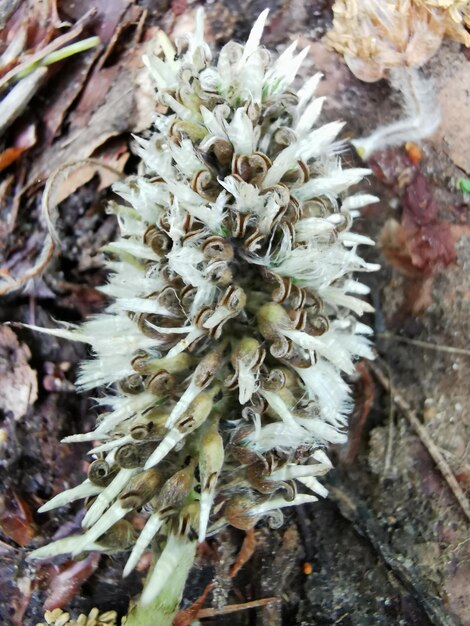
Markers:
<point>390,545</point>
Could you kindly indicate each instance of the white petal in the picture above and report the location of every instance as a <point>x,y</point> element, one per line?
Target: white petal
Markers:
<point>279,503</point>
<point>115,513</point>
<point>148,532</point>
<point>254,38</point>
<point>358,201</point>
<point>309,116</point>
<point>165,446</point>
<point>183,404</point>
<point>314,485</point>
<point>85,490</point>
<point>107,496</point>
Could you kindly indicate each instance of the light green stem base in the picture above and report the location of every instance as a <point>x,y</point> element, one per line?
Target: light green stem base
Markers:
<point>165,606</point>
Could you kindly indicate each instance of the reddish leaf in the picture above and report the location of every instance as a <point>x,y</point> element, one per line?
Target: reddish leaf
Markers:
<point>16,521</point>
<point>391,167</point>
<point>421,243</point>
<point>245,554</point>
<point>65,585</point>
<point>394,243</point>
<point>187,617</point>
<point>419,206</point>
<point>431,246</point>
<point>366,393</point>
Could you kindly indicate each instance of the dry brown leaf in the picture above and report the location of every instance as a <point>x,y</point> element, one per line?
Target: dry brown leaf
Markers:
<point>19,388</point>
<point>63,90</point>
<point>69,177</point>
<point>65,585</point>
<point>117,114</point>
<point>66,87</point>
<point>454,99</point>
<point>16,520</point>
<point>108,14</point>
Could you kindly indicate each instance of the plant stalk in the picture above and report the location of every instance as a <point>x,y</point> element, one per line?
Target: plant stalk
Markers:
<point>165,606</point>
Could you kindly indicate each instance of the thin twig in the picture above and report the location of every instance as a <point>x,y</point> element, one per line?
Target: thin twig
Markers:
<point>245,554</point>
<point>426,440</point>
<point>234,608</point>
<point>424,344</point>
<point>187,616</point>
<point>391,427</point>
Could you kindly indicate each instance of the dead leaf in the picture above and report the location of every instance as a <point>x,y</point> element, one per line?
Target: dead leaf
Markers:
<point>366,393</point>
<point>187,616</point>
<point>16,520</point>
<point>391,167</point>
<point>107,14</point>
<point>65,585</point>
<point>419,206</point>
<point>19,388</point>
<point>9,156</point>
<point>112,118</point>
<point>68,178</point>
<point>431,246</point>
<point>245,554</point>
<point>6,9</point>
<point>66,87</point>
<point>63,90</point>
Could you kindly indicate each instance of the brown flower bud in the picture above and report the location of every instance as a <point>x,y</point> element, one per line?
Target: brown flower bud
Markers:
<point>128,456</point>
<point>100,473</point>
<point>140,489</point>
<point>118,538</point>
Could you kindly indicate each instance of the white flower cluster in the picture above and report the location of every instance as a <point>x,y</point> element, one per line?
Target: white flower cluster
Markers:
<point>231,319</point>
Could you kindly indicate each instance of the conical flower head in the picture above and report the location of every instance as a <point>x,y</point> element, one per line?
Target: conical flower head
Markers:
<point>231,320</point>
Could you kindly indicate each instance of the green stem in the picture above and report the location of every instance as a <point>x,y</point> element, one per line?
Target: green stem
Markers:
<point>60,55</point>
<point>73,48</point>
<point>165,606</point>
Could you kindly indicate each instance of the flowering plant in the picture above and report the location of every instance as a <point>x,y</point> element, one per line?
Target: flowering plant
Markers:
<point>232,317</point>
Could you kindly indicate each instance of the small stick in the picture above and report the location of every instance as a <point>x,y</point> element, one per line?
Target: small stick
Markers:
<point>426,440</point>
<point>186,617</point>
<point>234,608</point>
<point>245,554</point>
<point>391,427</point>
<point>424,344</point>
